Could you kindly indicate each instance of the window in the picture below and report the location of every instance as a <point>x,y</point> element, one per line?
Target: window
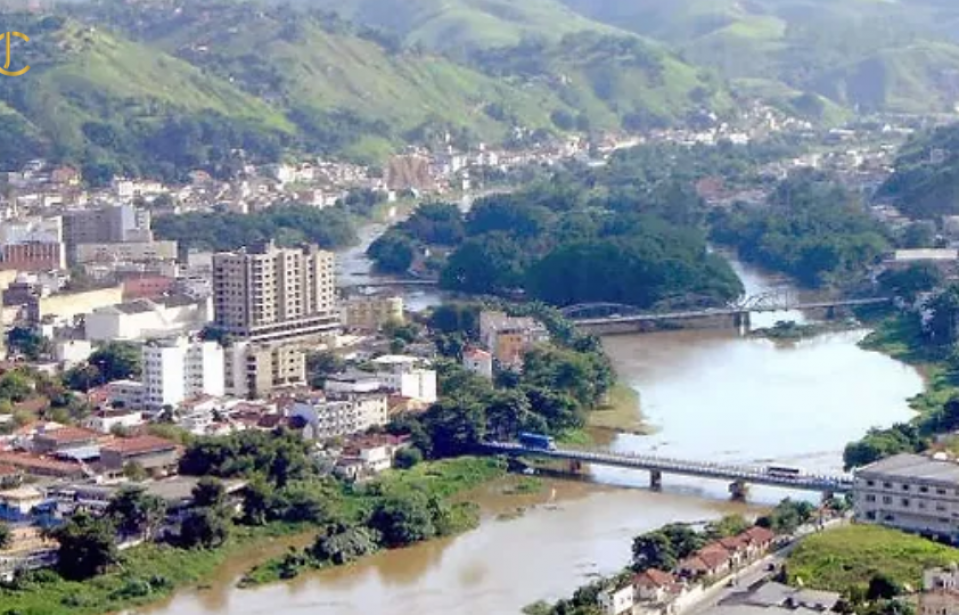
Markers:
<point>886,499</point>
<point>870,498</point>
<point>905,487</point>
<point>940,491</point>
<point>905,502</point>
<point>923,489</point>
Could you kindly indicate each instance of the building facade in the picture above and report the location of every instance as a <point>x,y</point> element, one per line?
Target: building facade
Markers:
<point>178,369</point>
<point>913,493</point>
<point>372,313</point>
<point>254,370</point>
<point>940,591</point>
<point>275,295</point>
<point>104,225</point>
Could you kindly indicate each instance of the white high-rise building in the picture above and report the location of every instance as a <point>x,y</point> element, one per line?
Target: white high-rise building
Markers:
<point>178,369</point>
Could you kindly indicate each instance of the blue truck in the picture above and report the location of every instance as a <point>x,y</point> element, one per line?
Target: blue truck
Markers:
<point>535,440</point>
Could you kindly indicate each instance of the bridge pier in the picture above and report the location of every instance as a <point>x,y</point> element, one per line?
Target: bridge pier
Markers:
<point>655,480</point>
<point>741,320</point>
<point>575,466</point>
<point>738,490</point>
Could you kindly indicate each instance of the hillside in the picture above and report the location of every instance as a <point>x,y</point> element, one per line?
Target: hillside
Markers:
<point>867,55</point>
<point>101,100</point>
<point>464,25</point>
<point>341,81</point>
<point>926,182</point>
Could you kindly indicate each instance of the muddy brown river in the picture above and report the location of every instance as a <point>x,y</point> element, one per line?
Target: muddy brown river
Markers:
<point>710,395</point>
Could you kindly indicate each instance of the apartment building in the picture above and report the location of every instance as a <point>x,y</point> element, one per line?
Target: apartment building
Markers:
<point>509,337</point>
<point>913,493</point>
<point>275,295</point>
<point>372,313</point>
<point>177,369</point>
<point>254,370</point>
<point>132,251</point>
<point>323,418</point>
<point>104,225</point>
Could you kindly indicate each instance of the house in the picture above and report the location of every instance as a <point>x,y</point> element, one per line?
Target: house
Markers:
<point>710,561</point>
<point>739,549</point>
<point>759,539</point>
<point>653,585</point>
<point>508,337</point>
<point>37,465</point>
<point>106,421</point>
<point>10,476</point>
<point>64,440</point>
<point>616,601</point>
<point>479,362</point>
<point>149,452</point>
<point>940,591</point>
<point>17,504</point>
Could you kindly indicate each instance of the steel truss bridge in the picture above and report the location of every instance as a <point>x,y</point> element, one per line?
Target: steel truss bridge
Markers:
<point>601,313</point>
<point>739,475</point>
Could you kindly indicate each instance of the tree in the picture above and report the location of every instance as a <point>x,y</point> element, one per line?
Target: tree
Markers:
<point>908,283</point>
<point>16,386</point>
<point>27,341</point>
<point>205,528</point>
<point>341,544</point>
<point>117,361</point>
<point>945,312</point>
<point>87,546</point>
<point>403,519</point>
<point>257,501</point>
<point>408,457</point>
<point>136,512</point>
<point>882,587</point>
<point>209,492</point>
<point>729,525</point>
<point>683,539</point>
<point>6,537</point>
<point>393,252</point>
<point>653,550</point>
<point>320,365</point>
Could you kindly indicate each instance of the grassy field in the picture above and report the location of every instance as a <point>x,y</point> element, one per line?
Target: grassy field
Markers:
<point>622,413</point>
<point>840,558</point>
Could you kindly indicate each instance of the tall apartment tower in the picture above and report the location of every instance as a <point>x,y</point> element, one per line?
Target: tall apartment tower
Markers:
<point>275,301</point>
<point>275,294</point>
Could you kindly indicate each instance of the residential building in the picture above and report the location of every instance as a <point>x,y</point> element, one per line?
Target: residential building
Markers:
<point>71,352</point>
<point>322,418</point>
<point>17,504</point>
<point>31,230</point>
<point>104,225</point>
<point>148,286</point>
<point>151,453</point>
<point>126,393</point>
<point>65,307</point>
<point>38,465</point>
<point>372,313</point>
<point>616,600</point>
<point>177,369</point>
<point>509,337</point>
<point>940,591</point>
<point>945,259</point>
<point>910,492</point>
<point>106,421</point>
<point>255,370</point>
<point>403,374</point>
<point>479,362</point>
<point>64,440</point>
<point>144,318</point>
<point>653,585</point>
<point>32,256</point>
<point>137,251</point>
<point>275,294</point>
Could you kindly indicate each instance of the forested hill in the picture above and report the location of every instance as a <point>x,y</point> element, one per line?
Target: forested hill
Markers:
<point>162,87</point>
<point>867,56</point>
<point>925,184</point>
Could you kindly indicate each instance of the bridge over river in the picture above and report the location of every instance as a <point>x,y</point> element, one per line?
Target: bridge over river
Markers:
<point>604,318</point>
<point>739,475</point>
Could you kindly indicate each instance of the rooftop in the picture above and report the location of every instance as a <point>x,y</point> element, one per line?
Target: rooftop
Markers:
<point>138,445</point>
<point>914,467</point>
<point>66,435</point>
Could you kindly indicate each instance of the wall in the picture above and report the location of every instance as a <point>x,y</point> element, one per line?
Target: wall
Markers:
<point>70,305</point>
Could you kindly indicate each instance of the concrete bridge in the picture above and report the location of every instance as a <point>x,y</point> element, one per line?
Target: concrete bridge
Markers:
<point>608,318</point>
<point>397,283</point>
<point>739,476</point>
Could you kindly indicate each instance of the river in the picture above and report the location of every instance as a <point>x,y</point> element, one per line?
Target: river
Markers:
<point>710,394</point>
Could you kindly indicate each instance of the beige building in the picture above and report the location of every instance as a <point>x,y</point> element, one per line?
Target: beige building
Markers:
<point>940,591</point>
<point>136,251</point>
<point>254,370</point>
<point>913,493</point>
<point>67,306</point>
<point>275,295</point>
<point>371,313</point>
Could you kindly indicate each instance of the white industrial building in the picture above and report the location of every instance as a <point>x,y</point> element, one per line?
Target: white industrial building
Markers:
<point>178,369</point>
<point>143,319</point>
<point>404,375</point>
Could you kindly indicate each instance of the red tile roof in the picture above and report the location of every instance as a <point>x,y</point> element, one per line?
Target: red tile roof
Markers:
<point>653,578</point>
<point>139,445</point>
<point>28,463</point>
<point>733,543</point>
<point>758,535</point>
<point>8,470</point>
<point>695,564</point>
<point>67,435</point>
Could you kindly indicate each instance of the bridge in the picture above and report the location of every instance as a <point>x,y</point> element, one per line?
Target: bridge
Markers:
<point>611,317</point>
<point>739,475</point>
<point>397,283</point>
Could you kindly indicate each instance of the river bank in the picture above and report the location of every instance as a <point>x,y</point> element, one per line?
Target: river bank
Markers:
<point>149,573</point>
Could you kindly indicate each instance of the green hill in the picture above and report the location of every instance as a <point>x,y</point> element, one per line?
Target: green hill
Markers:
<point>865,54</point>
<point>458,25</point>
<point>91,96</point>
<point>926,182</point>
